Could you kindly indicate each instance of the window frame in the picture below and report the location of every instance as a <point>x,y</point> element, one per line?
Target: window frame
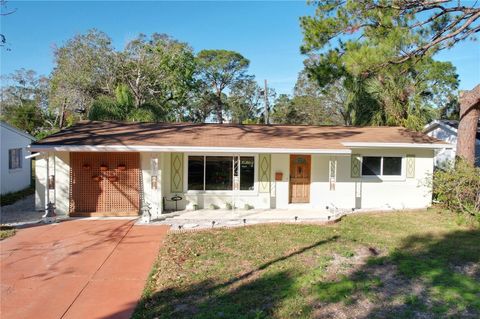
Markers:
<point>400,177</point>
<point>20,161</point>
<point>220,192</point>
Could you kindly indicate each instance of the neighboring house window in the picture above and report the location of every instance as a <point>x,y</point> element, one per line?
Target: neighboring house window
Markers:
<point>381,166</point>
<point>217,172</point>
<point>15,158</point>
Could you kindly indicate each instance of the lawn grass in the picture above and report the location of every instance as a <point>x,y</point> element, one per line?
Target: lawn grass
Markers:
<point>6,231</point>
<point>401,264</point>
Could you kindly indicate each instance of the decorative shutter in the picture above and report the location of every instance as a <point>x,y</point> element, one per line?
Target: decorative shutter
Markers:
<point>264,173</point>
<point>410,166</point>
<point>356,166</point>
<point>332,172</point>
<point>176,169</point>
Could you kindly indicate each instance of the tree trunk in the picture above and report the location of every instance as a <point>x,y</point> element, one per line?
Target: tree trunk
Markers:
<point>219,108</point>
<point>467,128</point>
<point>62,114</point>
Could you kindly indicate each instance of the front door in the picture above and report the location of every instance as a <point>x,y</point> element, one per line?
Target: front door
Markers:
<point>300,178</point>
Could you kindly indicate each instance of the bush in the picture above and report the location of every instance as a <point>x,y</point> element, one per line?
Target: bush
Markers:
<point>458,189</point>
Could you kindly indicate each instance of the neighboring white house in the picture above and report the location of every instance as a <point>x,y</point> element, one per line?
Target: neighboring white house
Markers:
<point>16,170</point>
<point>446,130</point>
<point>112,168</point>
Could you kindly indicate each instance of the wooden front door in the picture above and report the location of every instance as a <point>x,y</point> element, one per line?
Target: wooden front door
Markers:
<point>300,178</point>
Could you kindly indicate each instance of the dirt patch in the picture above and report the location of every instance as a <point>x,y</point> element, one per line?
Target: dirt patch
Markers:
<point>349,263</point>
<point>470,269</point>
<point>376,290</point>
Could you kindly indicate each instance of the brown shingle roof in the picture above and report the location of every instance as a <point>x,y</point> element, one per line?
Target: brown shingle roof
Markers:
<point>228,135</point>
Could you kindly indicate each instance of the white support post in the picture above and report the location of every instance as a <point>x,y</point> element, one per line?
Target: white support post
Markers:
<point>47,191</point>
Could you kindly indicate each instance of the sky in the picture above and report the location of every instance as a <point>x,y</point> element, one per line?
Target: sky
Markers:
<point>267,33</point>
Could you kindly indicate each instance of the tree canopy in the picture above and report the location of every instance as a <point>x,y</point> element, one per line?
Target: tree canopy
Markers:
<point>153,78</point>
<point>221,69</point>
<point>382,52</point>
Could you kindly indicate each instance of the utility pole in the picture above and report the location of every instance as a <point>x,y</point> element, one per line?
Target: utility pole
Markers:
<point>265,95</point>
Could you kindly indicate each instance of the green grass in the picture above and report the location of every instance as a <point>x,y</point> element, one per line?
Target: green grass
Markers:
<point>6,231</point>
<point>10,198</point>
<point>403,264</point>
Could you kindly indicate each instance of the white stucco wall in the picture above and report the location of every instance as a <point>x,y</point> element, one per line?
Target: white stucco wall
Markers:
<point>58,165</point>
<point>280,193</point>
<point>207,199</point>
<point>12,180</point>
<point>398,193</point>
<point>151,195</point>
<point>40,181</point>
<point>62,182</point>
<point>374,193</point>
<point>320,194</point>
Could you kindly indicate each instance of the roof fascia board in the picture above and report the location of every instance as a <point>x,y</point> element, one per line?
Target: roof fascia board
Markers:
<point>190,149</point>
<point>395,145</point>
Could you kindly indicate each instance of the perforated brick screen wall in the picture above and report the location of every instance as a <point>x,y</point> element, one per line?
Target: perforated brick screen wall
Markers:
<point>104,182</point>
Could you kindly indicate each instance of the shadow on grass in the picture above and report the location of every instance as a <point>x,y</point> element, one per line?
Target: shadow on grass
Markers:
<point>427,277</point>
<point>254,294</point>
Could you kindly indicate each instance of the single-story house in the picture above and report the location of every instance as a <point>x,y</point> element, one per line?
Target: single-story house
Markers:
<point>112,168</point>
<point>16,170</point>
<point>446,130</point>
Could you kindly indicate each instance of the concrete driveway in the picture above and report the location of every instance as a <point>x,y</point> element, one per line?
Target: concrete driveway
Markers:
<point>77,269</point>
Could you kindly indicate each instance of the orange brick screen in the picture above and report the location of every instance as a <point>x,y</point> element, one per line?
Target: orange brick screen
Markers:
<point>104,182</point>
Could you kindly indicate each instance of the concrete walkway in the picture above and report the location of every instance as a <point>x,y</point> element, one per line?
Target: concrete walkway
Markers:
<point>77,269</point>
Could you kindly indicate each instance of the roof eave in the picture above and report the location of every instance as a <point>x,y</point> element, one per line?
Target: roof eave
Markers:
<point>188,149</point>
<point>396,145</point>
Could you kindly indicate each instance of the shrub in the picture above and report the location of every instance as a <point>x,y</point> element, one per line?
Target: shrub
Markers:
<point>458,189</point>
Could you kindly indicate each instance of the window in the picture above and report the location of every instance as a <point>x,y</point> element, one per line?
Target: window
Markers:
<point>247,173</point>
<point>381,166</point>
<point>371,165</point>
<point>195,172</point>
<point>216,173</point>
<point>392,166</point>
<point>15,158</point>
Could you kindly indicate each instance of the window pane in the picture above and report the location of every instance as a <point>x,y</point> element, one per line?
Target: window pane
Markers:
<point>247,173</point>
<point>19,158</point>
<point>392,166</point>
<point>371,165</point>
<point>15,158</point>
<point>219,171</point>
<point>10,159</point>
<point>195,172</point>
